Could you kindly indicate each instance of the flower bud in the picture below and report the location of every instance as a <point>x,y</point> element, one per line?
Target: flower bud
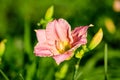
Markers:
<point>49,13</point>
<point>96,39</point>
<point>116,5</point>
<point>79,54</point>
<point>2,47</point>
<point>110,25</point>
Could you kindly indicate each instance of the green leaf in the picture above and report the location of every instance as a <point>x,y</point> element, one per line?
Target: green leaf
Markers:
<point>62,73</point>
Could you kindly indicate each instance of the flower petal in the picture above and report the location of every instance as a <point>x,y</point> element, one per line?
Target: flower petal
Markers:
<point>58,30</point>
<point>41,35</point>
<point>51,33</point>
<point>79,35</point>
<point>42,49</point>
<point>64,30</point>
<point>60,58</point>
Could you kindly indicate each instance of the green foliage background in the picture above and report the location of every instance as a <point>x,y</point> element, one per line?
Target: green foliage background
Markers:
<point>19,18</point>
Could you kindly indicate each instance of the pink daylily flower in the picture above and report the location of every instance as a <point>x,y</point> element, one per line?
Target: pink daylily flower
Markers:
<point>58,41</point>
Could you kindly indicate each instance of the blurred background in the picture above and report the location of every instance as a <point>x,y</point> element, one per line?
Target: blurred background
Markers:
<point>18,20</point>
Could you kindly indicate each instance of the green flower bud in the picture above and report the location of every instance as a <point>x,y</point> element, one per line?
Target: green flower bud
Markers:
<point>49,13</point>
<point>48,17</point>
<point>96,39</point>
<point>80,54</point>
<point>2,47</point>
<point>110,26</point>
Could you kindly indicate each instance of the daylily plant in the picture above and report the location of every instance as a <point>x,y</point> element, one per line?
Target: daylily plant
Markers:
<point>58,41</point>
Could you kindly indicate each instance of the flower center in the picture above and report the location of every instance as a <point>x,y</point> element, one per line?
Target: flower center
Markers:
<point>62,46</point>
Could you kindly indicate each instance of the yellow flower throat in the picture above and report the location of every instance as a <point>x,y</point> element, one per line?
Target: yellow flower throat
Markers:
<point>62,46</point>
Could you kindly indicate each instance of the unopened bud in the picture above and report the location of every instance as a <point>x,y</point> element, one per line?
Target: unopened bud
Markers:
<point>79,54</point>
<point>49,13</point>
<point>110,25</point>
<point>96,39</point>
<point>2,47</point>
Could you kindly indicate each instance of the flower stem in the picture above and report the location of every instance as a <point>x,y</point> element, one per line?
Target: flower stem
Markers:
<point>76,70</point>
<point>105,61</point>
<point>21,76</point>
<point>6,78</point>
<point>27,38</point>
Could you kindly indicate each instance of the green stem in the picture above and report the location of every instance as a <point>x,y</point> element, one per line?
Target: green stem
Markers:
<point>105,60</point>
<point>21,76</point>
<point>27,38</point>
<point>76,70</point>
<point>4,75</point>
